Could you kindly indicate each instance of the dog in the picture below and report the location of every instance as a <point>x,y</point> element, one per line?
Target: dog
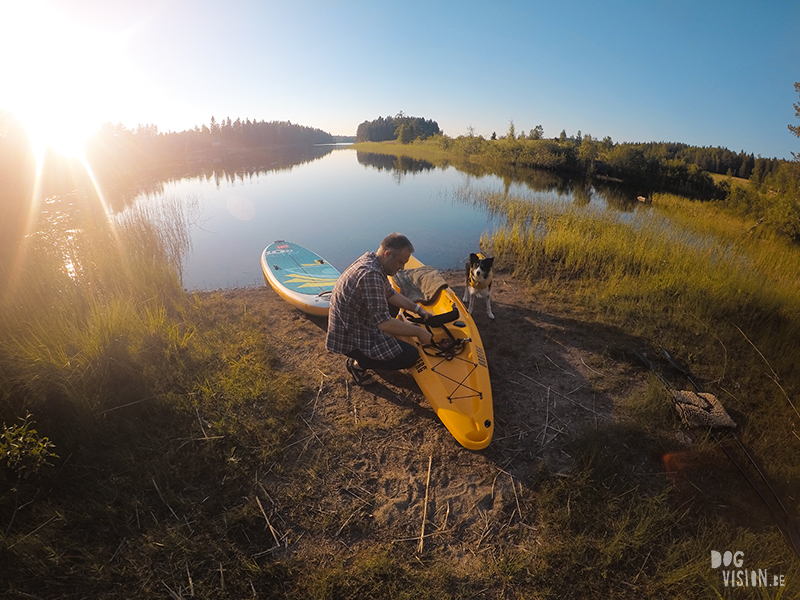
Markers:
<point>479,282</point>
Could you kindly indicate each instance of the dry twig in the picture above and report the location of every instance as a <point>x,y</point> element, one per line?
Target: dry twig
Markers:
<point>590,368</point>
<point>516,498</point>
<point>164,501</point>
<point>425,506</point>
<point>191,583</point>
<point>559,368</point>
<point>774,374</point>
<point>546,418</point>
<point>266,518</point>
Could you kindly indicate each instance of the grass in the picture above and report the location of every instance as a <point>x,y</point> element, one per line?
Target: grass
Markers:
<point>167,409</point>
<point>427,152</point>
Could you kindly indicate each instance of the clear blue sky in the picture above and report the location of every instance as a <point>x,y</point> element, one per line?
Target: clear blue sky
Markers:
<point>703,72</point>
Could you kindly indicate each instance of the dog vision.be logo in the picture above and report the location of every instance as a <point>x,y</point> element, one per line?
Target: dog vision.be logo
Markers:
<point>735,575</point>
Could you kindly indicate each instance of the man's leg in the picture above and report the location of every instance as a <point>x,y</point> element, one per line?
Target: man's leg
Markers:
<point>405,360</point>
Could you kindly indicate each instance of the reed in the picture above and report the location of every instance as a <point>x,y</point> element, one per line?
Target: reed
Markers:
<point>685,259</point>
<point>81,289</point>
<point>142,390</point>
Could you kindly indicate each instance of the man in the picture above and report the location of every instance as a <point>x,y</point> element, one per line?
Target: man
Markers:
<point>360,323</point>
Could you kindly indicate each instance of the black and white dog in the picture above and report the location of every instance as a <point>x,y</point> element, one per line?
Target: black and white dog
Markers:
<point>479,282</point>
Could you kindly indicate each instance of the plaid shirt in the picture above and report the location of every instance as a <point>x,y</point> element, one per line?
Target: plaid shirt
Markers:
<point>358,305</point>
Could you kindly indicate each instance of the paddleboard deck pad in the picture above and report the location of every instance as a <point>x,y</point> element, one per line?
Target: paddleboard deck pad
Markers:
<point>301,277</point>
<point>454,374</point>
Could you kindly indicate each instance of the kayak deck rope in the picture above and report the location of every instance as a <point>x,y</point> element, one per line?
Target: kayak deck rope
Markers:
<point>447,348</point>
<point>459,384</point>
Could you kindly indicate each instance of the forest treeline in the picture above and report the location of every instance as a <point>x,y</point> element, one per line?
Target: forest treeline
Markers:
<point>650,167</point>
<point>667,166</point>
<point>653,166</point>
<point>117,153</point>
<point>401,127</point>
<point>120,157</point>
<point>225,133</point>
<point>534,150</point>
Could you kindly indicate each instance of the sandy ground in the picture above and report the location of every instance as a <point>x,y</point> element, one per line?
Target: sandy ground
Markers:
<point>368,449</point>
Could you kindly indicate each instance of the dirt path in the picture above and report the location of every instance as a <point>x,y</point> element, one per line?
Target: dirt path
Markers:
<point>364,452</point>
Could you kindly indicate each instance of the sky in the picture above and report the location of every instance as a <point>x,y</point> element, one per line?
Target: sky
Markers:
<point>701,72</point>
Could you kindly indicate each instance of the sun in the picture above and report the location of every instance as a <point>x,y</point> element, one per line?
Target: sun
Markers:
<point>60,77</point>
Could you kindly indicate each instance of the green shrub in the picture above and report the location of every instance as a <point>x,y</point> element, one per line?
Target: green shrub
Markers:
<point>23,450</point>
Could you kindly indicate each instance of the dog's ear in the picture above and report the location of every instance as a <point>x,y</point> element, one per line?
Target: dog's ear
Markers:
<point>488,262</point>
<point>473,258</point>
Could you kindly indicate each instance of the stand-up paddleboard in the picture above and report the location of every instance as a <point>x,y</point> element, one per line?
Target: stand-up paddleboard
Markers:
<point>456,383</point>
<point>301,277</point>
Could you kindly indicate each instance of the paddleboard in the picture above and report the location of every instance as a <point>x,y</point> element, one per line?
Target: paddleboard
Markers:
<point>458,389</point>
<point>301,277</point>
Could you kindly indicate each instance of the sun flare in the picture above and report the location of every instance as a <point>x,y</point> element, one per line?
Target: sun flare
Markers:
<point>61,76</point>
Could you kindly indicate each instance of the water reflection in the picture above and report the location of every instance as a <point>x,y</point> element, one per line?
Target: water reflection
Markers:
<point>216,165</point>
<point>543,183</point>
<point>387,162</point>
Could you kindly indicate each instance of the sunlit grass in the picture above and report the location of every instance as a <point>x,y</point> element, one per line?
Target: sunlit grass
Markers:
<point>687,277</point>
<point>418,151</point>
<point>684,277</point>
<point>685,261</point>
<point>98,317</point>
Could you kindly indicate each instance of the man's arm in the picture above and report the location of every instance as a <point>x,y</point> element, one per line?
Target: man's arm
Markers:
<point>398,328</point>
<point>397,299</point>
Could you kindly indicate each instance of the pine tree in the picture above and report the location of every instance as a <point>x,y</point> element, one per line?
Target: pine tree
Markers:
<point>795,129</point>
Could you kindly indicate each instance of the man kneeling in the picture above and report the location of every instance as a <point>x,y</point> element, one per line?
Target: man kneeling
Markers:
<point>360,322</point>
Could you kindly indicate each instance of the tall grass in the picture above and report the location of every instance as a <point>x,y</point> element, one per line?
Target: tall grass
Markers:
<point>83,294</point>
<point>167,413</point>
<point>679,260</point>
<point>94,317</point>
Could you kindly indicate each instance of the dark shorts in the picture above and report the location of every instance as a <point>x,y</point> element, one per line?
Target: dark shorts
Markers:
<point>404,360</point>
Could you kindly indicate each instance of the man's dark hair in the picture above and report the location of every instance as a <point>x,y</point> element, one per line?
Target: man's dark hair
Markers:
<point>397,241</point>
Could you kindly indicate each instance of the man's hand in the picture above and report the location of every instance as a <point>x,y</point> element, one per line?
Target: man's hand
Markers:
<point>424,313</point>
<point>399,328</point>
<point>424,336</point>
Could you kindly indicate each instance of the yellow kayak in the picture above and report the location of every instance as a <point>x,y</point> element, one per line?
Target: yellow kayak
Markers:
<point>454,374</point>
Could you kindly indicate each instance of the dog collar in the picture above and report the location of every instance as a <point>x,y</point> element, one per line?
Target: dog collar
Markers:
<point>480,285</point>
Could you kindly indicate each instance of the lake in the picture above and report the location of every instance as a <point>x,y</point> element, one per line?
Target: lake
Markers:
<point>340,205</point>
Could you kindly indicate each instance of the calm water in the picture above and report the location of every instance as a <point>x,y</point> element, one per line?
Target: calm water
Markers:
<point>335,205</point>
